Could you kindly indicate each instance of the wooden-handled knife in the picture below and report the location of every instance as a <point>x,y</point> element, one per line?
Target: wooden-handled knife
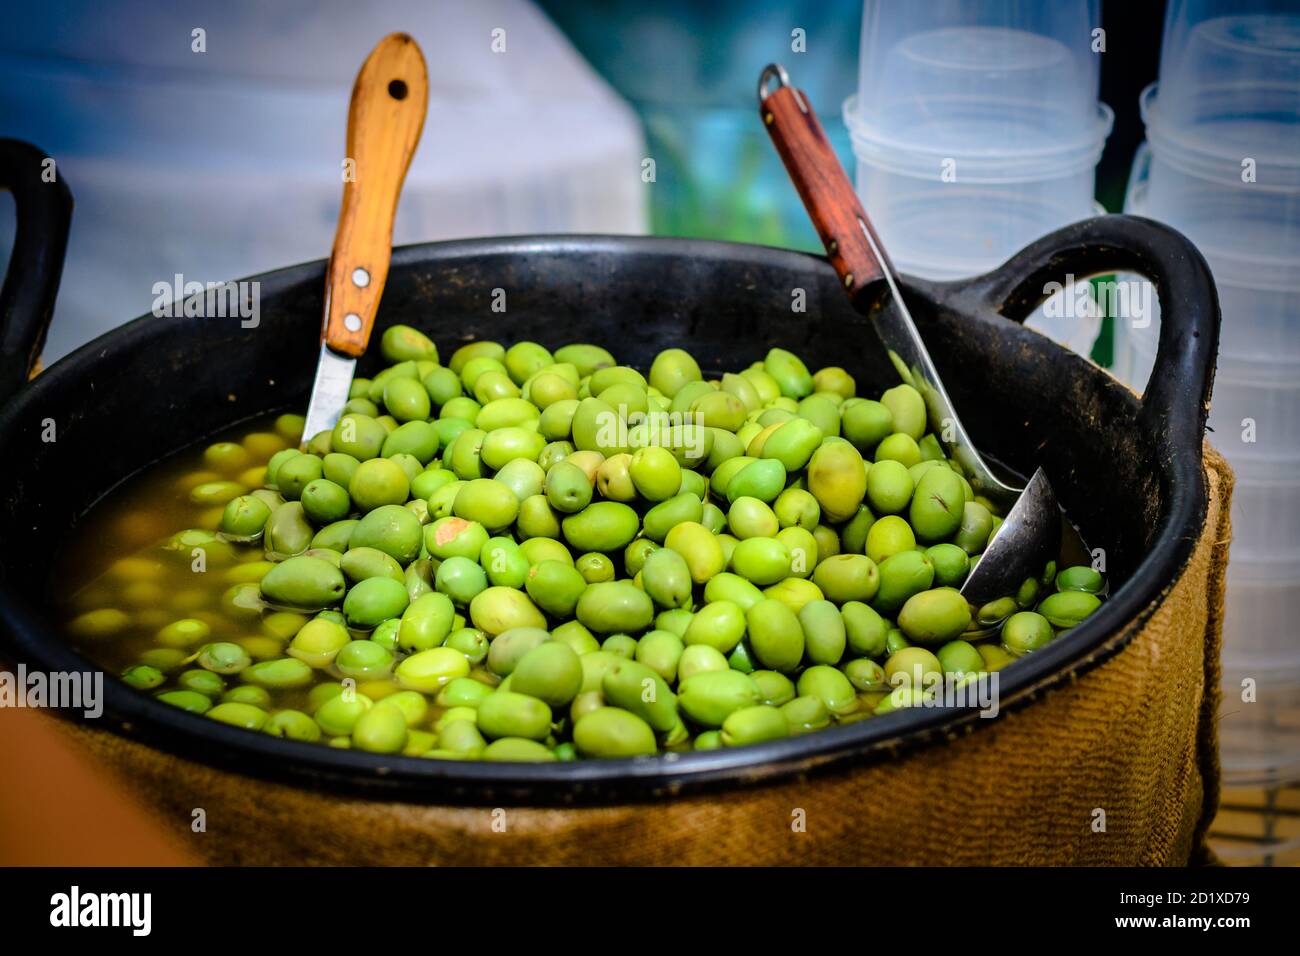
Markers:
<point>389,101</point>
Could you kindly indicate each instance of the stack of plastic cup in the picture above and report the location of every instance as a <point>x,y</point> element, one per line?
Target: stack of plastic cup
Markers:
<point>1222,165</point>
<point>976,127</point>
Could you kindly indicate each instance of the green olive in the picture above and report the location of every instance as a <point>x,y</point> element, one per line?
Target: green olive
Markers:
<point>1068,608</point>
<point>752,725</point>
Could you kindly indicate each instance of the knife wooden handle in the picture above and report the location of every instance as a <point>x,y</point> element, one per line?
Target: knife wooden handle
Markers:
<point>389,100</point>
<point>827,194</point>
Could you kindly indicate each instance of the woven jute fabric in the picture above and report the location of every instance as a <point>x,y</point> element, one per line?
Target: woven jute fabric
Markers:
<point>1117,765</point>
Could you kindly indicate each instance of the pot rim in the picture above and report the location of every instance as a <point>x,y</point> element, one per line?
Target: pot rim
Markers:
<point>138,716</point>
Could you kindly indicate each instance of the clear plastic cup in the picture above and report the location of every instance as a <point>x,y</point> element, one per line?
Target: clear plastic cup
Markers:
<point>1223,127</point>
<point>1261,602</point>
<point>1261,318</point>
<point>953,217</point>
<point>1254,414</point>
<point>1230,74</point>
<point>976,128</point>
<point>1251,241</point>
<point>1252,227</point>
<point>996,77</point>
<point>1249,234</point>
<point>1259,730</point>
<point>1266,519</point>
<point>940,229</point>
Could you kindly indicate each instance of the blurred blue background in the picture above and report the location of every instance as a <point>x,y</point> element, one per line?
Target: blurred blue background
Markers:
<point>691,70</point>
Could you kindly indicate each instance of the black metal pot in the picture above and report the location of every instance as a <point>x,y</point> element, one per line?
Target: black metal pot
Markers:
<point>1127,470</point>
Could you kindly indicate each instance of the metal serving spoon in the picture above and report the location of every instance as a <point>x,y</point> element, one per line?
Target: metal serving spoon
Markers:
<point>389,100</point>
<point>1030,533</point>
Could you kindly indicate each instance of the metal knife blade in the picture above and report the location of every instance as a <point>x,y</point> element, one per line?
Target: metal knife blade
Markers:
<point>329,393</point>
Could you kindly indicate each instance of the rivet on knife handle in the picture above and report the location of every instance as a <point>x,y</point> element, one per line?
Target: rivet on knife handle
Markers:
<point>819,178</point>
<point>385,119</point>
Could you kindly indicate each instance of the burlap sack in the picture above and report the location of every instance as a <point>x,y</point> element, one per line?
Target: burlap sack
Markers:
<point>1133,739</point>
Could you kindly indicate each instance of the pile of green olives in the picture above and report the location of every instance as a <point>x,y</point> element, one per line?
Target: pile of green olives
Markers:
<point>528,554</point>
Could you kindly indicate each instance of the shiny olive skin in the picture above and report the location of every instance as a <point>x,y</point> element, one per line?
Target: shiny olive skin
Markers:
<point>425,622</point>
<point>847,577</point>
<point>825,638</point>
<point>720,624</point>
<point>1079,578</point>
<point>1067,608</point>
<point>551,672</point>
<point>613,732</point>
<point>379,481</point>
<point>937,505</point>
<point>829,685</point>
<point>776,635</point>
<point>668,514</point>
<point>304,582</point>
<point>601,526</point>
<point>381,729</point>
<point>374,600</point>
<point>789,373</point>
<point>672,369</point>
<point>935,616</point>
<point>357,564</point>
<point>666,577</point>
<point>508,648</point>
<point>461,579</point>
<point>555,587</point>
<point>960,657</point>
<point>699,547</point>
<point>837,480</point>
<point>245,517</point>
<point>428,671</point>
<point>640,690</point>
<point>710,697</point>
<point>753,725</point>
<point>1026,631</point>
<point>488,502</point>
<point>567,487</point>
<point>805,713</point>
<point>901,576</point>
<point>511,714</point>
<point>614,607</point>
<point>951,564</point>
<point>865,629</point>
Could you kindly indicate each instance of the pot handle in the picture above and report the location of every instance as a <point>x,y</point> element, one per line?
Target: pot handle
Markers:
<point>44,208</point>
<point>1177,398</point>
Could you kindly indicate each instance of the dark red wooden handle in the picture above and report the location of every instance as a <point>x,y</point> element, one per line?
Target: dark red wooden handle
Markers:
<point>823,186</point>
